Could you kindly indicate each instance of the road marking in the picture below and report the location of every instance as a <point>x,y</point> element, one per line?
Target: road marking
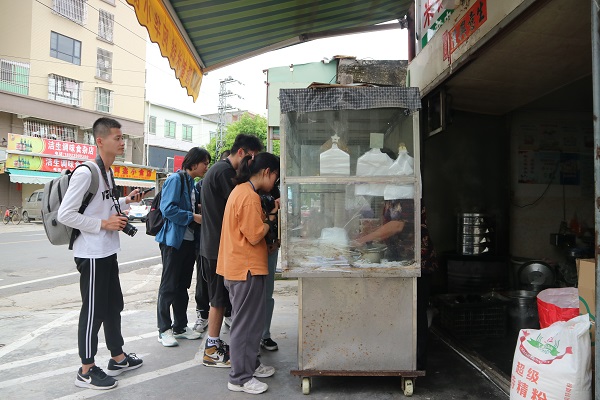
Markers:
<point>70,274</point>
<point>24,241</point>
<point>56,354</point>
<point>49,374</point>
<point>28,338</point>
<point>134,380</point>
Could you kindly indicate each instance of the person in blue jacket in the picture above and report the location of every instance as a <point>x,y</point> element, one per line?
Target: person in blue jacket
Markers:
<point>177,247</point>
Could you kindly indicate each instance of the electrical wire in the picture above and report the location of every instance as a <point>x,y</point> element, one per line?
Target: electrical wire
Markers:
<point>552,176</point>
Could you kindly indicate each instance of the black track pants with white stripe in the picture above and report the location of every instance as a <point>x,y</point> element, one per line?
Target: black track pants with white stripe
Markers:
<point>102,303</point>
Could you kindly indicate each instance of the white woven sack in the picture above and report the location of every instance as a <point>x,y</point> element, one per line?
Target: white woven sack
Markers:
<point>554,362</point>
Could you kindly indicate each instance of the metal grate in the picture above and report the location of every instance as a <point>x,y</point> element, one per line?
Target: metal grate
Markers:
<point>473,316</point>
<point>104,64</point>
<point>64,90</point>
<point>75,10</point>
<point>47,130</point>
<point>104,100</point>
<point>14,77</point>
<point>105,25</point>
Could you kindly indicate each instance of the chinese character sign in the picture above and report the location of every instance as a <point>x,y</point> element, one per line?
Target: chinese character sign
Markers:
<point>433,15</point>
<point>37,163</point>
<point>57,148</point>
<point>466,26</point>
<point>127,172</point>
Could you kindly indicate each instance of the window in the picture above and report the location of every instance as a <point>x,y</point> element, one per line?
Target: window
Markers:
<point>105,25</point>
<point>169,129</point>
<point>64,48</point>
<point>14,76</point>
<point>64,90</point>
<point>88,137</point>
<point>47,130</point>
<point>152,125</point>
<point>104,65</point>
<point>104,100</point>
<point>75,10</point>
<point>187,133</point>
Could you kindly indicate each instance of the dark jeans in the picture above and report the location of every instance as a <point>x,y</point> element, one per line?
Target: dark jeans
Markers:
<point>178,267</point>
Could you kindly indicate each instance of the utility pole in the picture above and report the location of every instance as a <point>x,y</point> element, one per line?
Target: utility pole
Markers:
<point>224,93</point>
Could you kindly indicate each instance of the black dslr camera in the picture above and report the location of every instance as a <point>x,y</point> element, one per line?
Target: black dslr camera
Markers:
<point>129,229</point>
<point>267,201</point>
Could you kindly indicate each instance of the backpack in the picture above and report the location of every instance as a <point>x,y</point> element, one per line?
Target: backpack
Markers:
<point>154,219</point>
<point>54,191</point>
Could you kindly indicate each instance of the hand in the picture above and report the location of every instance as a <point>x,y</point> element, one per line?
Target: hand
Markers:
<point>277,205</point>
<point>198,218</point>
<point>114,223</point>
<point>134,197</point>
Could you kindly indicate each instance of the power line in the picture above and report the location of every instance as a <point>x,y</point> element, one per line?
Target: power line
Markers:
<point>121,25</point>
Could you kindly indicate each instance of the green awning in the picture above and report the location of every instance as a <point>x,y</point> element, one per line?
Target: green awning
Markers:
<point>221,32</point>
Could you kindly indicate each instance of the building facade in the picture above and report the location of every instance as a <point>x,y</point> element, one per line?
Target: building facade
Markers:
<point>170,133</point>
<point>67,63</point>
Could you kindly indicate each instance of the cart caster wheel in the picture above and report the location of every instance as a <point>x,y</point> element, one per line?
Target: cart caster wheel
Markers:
<point>408,386</point>
<point>305,385</point>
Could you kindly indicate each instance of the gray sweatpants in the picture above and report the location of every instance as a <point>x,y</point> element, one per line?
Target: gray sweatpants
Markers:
<point>248,315</point>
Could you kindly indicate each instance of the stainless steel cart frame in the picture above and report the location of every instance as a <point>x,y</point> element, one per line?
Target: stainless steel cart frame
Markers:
<point>355,318</point>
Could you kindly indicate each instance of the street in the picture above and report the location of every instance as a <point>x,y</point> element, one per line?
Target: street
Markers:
<point>39,307</point>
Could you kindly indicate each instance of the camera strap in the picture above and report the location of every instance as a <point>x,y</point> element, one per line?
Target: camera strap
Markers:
<point>112,190</point>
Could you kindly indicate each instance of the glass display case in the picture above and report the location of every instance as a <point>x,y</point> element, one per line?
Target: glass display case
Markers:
<point>350,182</point>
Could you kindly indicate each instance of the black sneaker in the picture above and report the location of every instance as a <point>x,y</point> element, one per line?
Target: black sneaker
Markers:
<point>95,379</point>
<point>268,344</point>
<point>131,361</point>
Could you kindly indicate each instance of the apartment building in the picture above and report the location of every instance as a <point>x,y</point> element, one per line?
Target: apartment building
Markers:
<point>63,64</point>
<point>171,133</point>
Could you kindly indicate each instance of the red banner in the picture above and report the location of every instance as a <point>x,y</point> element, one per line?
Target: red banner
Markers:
<point>57,148</point>
<point>468,24</point>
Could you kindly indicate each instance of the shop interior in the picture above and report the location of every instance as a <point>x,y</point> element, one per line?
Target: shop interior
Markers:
<point>508,175</point>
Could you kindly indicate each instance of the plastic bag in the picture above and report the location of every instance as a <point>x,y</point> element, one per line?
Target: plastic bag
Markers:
<point>404,165</point>
<point>560,304</point>
<point>334,161</point>
<point>372,163</point>
<point>553,363</point>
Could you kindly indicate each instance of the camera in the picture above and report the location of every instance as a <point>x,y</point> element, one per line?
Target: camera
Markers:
<point>129,229</point>
<point>267,202</point>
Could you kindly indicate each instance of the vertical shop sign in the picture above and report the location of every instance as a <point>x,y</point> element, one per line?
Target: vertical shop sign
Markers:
<point>465,27</point>
<point>433,15</point>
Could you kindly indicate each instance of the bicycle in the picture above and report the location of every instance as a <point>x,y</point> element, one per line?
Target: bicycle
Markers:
<point>12,214</point>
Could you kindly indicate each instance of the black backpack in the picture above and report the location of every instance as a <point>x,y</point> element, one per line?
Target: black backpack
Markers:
<point>154,219</point>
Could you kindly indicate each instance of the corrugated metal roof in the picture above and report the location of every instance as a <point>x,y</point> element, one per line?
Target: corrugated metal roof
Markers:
<point>225,31</point>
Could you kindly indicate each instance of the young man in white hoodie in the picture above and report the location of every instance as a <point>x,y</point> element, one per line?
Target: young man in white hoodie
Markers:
<point>95,251</point>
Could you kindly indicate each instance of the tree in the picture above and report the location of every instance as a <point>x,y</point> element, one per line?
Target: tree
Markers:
<point>248,124</point>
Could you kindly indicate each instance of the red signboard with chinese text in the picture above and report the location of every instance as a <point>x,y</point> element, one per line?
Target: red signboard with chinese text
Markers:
<point>465,27</point>
<point>127,172</point>
<point>56,148</point>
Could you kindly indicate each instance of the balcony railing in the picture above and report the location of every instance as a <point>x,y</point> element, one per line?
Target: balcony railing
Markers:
<point>14,76</point>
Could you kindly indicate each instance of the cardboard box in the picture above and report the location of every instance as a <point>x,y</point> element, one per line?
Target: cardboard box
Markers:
<point>586,272</point>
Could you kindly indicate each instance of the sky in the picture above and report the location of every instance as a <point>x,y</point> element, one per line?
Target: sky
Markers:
<point>164,88</point>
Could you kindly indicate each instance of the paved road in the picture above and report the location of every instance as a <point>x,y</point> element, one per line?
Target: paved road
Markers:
<point>38,349</point>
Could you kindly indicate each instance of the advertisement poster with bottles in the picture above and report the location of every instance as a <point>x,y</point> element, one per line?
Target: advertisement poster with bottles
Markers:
<point>58,148</point>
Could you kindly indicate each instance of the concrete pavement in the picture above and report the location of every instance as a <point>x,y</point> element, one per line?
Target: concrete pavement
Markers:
<point>38,359</point>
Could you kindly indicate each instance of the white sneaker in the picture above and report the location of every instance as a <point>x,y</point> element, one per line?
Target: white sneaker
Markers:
<point>227,321</point>
<point>188,333</point>
<point>167,339</point>
<point>201,324</point>
<point>264,371</point>
<point>253,386</point>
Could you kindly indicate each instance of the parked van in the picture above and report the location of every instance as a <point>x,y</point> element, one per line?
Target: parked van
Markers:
<point>32,208</point>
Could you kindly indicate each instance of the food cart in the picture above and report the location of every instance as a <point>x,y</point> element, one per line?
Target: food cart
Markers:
<point>347,154</point>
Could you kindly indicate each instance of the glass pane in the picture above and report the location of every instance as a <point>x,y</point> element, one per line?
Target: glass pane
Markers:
<point>65,45</point>
<point>328,226</point>
<point>53,41</point>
